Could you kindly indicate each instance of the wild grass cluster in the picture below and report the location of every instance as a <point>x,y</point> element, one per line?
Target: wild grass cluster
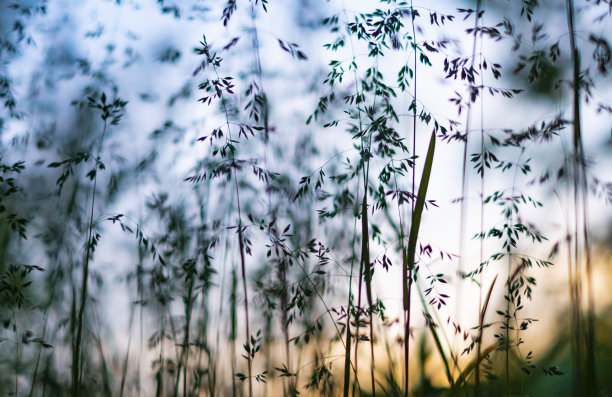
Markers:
<point>323,198</point>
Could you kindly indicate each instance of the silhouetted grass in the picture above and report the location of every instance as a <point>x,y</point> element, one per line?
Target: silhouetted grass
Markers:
<point>296,255</point>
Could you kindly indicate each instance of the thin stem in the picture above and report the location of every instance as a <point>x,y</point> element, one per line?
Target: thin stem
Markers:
<point>357,323</point>
<point>76,364</point>
<point>464,172</point>
<point>580,196</point>
<point>233,329</point>
<point>364,263</point>
<point>244,287</point>
<point>347,346</point>
<point>241,249</point>
<point>482,198</point>
<point>408,267</point>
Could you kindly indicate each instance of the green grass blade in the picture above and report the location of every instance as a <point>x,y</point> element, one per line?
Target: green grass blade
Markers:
<point>418,211</point>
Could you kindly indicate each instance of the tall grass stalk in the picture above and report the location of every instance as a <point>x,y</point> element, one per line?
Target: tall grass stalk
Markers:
<point>464,172</point>
<point>244,287</point>
<point>407,263</point>
<point>482,218</point>
<point>282,270</point>
<point>234,327</point>
<point>349,307</point>
<point>347,345</point>
<point>140,291</point>
<point>511,274</point>
<point>357,320</point>
<point>580,184</point>
<point>183,363</point>
<point>364,262</point>
<point>232,309</point>
<point>241,248</point>
<point>76,355</point>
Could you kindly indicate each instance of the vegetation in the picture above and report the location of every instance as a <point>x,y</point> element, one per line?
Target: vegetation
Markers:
<point>336,198</point>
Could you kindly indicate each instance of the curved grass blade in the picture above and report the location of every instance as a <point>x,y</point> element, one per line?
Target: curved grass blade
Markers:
<point>416,216</point>
<point>470,367</point>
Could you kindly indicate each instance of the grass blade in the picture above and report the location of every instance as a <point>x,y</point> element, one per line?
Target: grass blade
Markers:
<point>434,333</point>
<point>418,211</point>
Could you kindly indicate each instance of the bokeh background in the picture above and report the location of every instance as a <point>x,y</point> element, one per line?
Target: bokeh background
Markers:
<point>116,193</point>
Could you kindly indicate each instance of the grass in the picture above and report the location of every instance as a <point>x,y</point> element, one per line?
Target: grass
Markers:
<point>304,252</point>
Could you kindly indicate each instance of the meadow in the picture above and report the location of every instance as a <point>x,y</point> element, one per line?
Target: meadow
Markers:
<point>315,198</point>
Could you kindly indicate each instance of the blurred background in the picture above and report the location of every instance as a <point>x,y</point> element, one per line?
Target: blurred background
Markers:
<point>136,136</point>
